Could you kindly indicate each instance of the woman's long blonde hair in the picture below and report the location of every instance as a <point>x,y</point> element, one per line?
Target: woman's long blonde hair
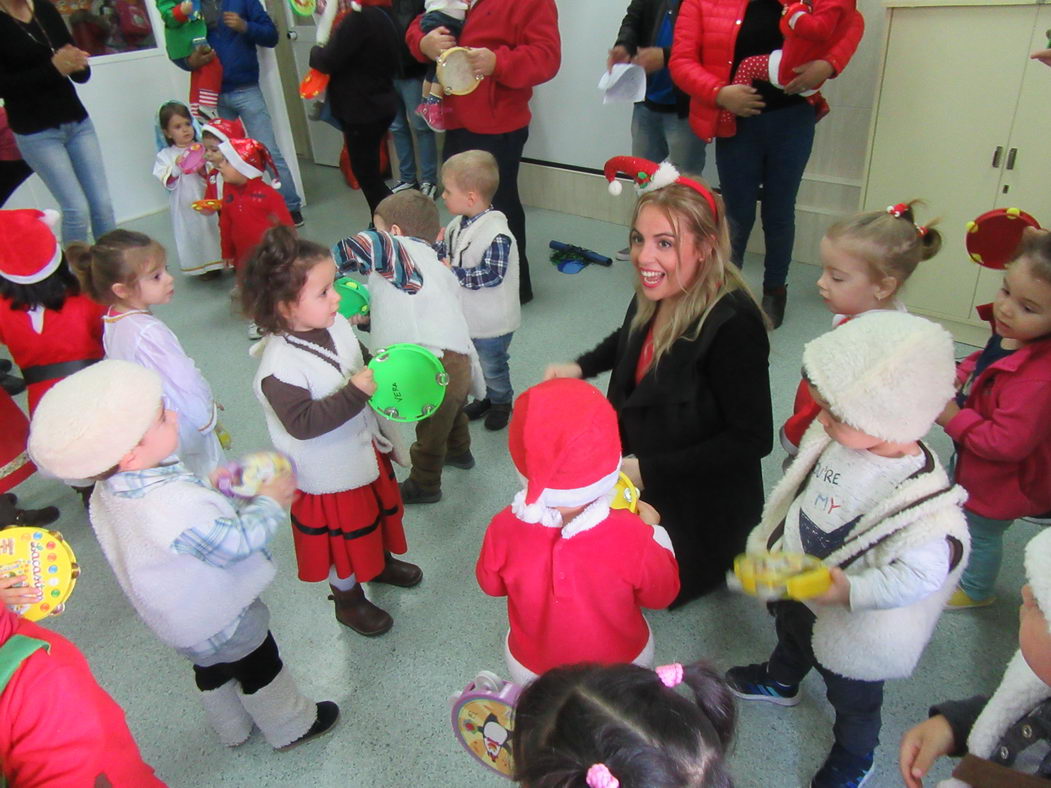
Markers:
<point>688,212</point>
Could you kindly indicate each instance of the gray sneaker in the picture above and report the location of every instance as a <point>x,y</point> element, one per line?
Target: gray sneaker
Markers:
<point>401,186</point>
<point>429,190</point>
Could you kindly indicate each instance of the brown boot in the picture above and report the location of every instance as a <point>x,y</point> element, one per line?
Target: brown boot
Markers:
<point>399,573</point>
<point>355,611</point>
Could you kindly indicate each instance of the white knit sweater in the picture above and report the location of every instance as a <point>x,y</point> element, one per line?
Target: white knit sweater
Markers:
<point>490,311</point>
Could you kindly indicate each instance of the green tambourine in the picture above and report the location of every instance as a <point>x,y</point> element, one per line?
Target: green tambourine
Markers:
<point>410,382</point>
<point>353,297</point>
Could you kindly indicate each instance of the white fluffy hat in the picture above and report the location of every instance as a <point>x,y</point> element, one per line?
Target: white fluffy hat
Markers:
<point>88,421</point>
<point>1038,570</point>
<point>888,374</point>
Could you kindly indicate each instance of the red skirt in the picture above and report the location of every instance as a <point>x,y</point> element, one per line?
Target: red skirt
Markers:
<point>15,466</point>
<point>349,530</point>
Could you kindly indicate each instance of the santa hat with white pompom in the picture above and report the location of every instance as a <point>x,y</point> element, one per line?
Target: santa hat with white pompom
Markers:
<point>29,251</point>
<point>650,176</point>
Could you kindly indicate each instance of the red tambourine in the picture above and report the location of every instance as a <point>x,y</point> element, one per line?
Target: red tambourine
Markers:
<point>993,237</point>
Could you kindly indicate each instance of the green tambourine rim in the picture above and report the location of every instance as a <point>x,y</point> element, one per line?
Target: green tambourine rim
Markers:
<point>411,373</point>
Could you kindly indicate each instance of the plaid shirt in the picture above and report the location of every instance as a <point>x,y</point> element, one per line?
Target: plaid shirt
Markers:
<point>220,543</point>
<point>379,252</point>
<point>493,268</point>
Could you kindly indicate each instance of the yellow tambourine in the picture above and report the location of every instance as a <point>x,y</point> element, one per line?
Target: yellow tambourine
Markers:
<point>48,564</point>
<point>453,70</point>
<point>625,495</point>
<point>779,575</point>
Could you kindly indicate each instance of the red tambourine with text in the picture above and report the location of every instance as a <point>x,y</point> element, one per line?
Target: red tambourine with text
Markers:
<point>993,237</point>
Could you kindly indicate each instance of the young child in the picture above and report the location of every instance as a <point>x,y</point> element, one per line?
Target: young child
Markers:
<point>191,564</point>
<point>484,256</point>
<point>215,132</point>
<point>1000,420</point>
<point>196,234</point>
<point>127,271</point>
<point>49,327</point>
<point>870,500</point>
<point>575,572</point>
<point>184,32</point>
<point>414,298</point>
<point>865,261</point>
<point>314,389</point>
<point>449,14</point>
<point>810,29</point>
<point>1005,737</point>
<point>59,726</point>
<point>626,726</point>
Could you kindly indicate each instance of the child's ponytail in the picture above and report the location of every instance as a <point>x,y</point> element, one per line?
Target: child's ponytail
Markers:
<point>274,273</point>
<point>109,263</point>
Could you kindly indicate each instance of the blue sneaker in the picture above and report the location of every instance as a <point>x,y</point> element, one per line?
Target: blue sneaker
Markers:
<point>751,682</point>
<point>844,769</point>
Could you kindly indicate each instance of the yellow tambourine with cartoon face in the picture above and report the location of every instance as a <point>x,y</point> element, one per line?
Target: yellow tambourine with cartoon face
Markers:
<point>625,495</point>
<point>47,562</point>
<point>779,575</point>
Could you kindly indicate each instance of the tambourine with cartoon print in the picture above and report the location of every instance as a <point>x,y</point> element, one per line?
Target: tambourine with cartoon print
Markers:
<point>993,237</point>
<point>625,495</point>
<point>242,479</point>
<point>779,575</point>
<point>483,718</point>
<point>46,561</point>
<point>454,72</point>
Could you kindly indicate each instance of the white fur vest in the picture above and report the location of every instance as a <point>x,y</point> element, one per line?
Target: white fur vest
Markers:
<point>490,311</point>
<point>873,645</point>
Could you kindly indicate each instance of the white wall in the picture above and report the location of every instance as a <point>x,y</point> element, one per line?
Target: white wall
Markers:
<point>122,97</point>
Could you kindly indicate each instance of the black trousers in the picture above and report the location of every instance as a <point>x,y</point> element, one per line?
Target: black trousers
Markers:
<point>363,147</point>
<point>252,672</point>
<point>507,148</point>
<point>12,173</point>
<point>857,703</point>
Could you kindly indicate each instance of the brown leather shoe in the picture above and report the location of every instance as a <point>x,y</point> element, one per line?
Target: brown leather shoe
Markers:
<point>399,573</point>
<point>355,611</point>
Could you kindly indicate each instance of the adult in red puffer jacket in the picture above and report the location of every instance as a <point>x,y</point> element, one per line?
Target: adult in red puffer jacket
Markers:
<point>775,128</point>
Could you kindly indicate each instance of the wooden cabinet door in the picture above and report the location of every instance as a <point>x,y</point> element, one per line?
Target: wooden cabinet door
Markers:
<point>951,78</point>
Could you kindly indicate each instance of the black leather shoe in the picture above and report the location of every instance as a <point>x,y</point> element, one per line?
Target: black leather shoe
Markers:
<point>498,416</point>
<point>774,300</point>
<point>411,492</point>
<point>476,409</point>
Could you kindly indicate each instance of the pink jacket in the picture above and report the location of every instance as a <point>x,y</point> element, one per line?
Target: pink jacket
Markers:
<point>703,50</point>
<point>1003,434</point>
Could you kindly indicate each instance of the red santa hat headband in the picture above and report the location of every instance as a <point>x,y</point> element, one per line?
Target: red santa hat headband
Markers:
<point>224,129</point>
<point>650,176</point>
<point>29,251</point>
<point>250,158</point>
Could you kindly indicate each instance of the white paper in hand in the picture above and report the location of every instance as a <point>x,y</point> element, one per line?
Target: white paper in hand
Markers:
<point>625,82</point>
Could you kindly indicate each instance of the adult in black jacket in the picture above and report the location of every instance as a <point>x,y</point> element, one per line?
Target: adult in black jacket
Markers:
<point>697,420</point>
<point>660,128</point>
<point>361,58</point>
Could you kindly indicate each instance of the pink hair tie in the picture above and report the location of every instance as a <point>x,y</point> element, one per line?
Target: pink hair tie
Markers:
<point>599,776</point>
<point>670,675</point>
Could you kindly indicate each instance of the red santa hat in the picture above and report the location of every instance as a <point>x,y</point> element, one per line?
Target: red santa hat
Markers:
<point>225,129</point>
<point>250,158</point>
<point>564,440</point>
<point>29,251</point>
<point>650,176</point>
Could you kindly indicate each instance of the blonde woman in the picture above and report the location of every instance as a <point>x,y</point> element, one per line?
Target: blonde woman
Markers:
<point>689,376</point>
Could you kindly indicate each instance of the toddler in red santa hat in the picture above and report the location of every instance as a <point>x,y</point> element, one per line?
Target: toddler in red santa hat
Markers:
<point>575,572</point>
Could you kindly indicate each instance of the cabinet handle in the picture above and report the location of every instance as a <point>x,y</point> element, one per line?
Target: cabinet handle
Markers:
<point>997,155</point>
<point>1011,158</point>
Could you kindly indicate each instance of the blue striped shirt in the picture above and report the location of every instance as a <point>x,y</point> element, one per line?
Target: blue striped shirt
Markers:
<point>379,252</point>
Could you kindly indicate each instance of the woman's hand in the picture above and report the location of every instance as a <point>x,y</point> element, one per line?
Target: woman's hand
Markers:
<point>13,593</point>
<point>619,54</point>
<point>629,466</point>
<point>650,58</point>
<point>1043,55</point>
<point>281,488</point>
<point>566,369</point>
<point>365,381</point>
<point>69,59</point>
<point>436,42</point>
<point>743,101</point>
<point>921,746</point>
<point>482,61</point>
<point>809,76</point>
<point>838,593</point>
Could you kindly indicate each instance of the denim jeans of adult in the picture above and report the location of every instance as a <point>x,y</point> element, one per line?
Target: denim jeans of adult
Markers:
<point>493,356</point>
<point>248,104</point>
<point>987,553</point>
<point>507,148</point>
<point>413,138</point>
<point>657,136</point>
<point>68,160</point>
<point>769,150</point>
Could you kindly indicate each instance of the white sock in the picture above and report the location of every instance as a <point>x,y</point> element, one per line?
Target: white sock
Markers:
<point>341,583</point>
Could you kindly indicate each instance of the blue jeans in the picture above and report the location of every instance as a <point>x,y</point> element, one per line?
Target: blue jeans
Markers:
<point>769,150</point>
<point>409,94</point>
<point>247,103</point>
<point>664,135</point>
<point>69,162</point>
<point>493,355</point>
<point>987,552</point>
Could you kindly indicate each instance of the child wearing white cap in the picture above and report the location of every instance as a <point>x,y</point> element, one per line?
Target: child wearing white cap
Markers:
<point>575,572</point>
<point>870,500</point>
<point>1007,736</point>
<point>191,563</point>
